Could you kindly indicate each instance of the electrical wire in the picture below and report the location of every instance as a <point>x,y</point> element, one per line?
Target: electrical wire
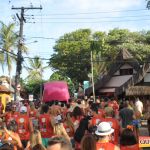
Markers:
<point>3,50</point>
<point>108,21</point>
<point>92,18</point>
<point>84,13</point>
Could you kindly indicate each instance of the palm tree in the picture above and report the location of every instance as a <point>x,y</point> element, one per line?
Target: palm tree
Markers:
<point>8,41</point>
<point>36,69</point>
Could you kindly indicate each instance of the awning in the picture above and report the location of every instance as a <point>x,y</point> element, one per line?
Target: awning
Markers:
<point>138,90</point>
<point>117,81</point>
<point>111,90</point>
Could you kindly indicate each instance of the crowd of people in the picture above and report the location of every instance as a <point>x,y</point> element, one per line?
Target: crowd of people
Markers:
<point>79,124</point>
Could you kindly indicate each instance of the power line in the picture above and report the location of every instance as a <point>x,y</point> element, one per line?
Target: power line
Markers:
<point>4,50</point>
<point>36,58</point>
<point>92,18</point>
<point>24,57</point>
<point>109,21</point>
<point>84,13</point>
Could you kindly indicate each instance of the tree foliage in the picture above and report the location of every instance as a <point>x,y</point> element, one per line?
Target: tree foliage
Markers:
<point>8,39</point>
<point>35,69</point>
<point>72,51</point>
<point>8,43</point>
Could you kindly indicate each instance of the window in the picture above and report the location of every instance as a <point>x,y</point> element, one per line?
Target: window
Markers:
<point>126,71</point>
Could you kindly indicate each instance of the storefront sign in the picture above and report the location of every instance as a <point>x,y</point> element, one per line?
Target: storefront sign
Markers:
<point>144,141</point>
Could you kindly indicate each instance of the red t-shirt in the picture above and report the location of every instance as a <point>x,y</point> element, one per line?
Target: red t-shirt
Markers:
<point>45,126</point>
<point>132,147</point>
<point>23,126</point>
<point>11,116</point>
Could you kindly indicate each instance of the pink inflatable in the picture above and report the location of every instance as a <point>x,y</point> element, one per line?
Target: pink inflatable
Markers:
<point>56,90</point>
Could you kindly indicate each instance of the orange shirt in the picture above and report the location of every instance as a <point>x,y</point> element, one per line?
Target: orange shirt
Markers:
<point>45,126</point>
<point>105,146</point>
<point>7,138</point>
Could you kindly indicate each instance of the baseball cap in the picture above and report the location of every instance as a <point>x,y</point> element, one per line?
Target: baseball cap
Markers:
<point>23,109</point>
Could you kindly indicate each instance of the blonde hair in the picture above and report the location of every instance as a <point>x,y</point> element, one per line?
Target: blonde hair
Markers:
<point>69,121</point>
<point>60,131</point>
<point>35,138</point>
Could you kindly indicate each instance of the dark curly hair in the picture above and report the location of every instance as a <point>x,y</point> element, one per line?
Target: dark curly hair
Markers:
<point>128,138</point>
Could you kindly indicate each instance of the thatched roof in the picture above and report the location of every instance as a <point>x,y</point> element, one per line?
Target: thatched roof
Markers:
<point>138,90</point>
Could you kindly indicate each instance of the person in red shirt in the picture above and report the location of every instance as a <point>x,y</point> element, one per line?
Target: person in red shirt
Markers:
<point>10,135</point>
<point>33,115</point>
<point>45,125</point>
<point>24,125</point>
<point>10,114</point>
<point>96,117</point>
<point>109,113</point>
<point>103,133</point>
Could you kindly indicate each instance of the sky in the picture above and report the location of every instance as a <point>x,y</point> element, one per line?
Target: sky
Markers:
<point>58,17</point>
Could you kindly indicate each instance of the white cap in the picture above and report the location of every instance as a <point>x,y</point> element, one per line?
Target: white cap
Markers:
<point>104,128</point>
<point>23,109</point>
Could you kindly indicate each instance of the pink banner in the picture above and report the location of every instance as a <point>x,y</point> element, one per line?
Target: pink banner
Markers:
<point>56,90</point>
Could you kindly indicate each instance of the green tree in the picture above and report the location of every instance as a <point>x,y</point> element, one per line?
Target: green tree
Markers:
<point>72,55</point>
<point>8,43</point>
<point>8,39</point>
<point>35,69</point>
<point>136,42</point>
<point>72,51</point>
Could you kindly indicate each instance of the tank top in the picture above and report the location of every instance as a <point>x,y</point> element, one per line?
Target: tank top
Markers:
<point>105,146</point>
<point>23,127</point>
<point>45,126</point>
<point>131,147</point>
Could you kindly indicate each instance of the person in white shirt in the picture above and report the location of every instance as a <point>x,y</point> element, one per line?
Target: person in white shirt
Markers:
<point>139,105</point>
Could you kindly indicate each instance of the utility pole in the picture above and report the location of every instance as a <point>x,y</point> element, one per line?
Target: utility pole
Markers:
<point>20,42</point>
<point>92,76</point>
